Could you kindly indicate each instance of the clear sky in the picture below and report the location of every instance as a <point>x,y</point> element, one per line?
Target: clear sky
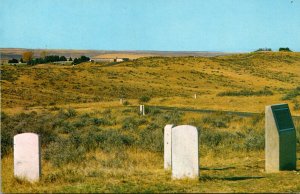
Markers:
<point>173,25</point>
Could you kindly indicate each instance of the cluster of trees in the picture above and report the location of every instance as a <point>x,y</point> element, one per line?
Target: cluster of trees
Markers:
<point>47,59</point>
<point>13,61</point>
<point>28,58</point>
<point>285,49</point>
<point>264,49</point>
<point>80,60</point>
<point>269,49</point>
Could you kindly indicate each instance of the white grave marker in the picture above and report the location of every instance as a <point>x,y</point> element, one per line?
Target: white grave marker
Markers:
<point>168,146</point>
<point>142,109</point>
<point>185,163</point>
<point>27,156</point>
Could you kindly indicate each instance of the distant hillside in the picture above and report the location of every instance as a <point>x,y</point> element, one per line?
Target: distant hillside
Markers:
<point>9,53</point>
<point>241,82</point>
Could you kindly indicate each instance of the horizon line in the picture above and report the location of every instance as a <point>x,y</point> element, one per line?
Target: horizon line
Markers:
<point>125,50</point>
<point>113,50</point>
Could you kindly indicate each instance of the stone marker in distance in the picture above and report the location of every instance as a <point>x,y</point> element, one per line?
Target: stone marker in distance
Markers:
<point>280,139</point>
<point>27,156</point>
<point>142,109</point>
<point>168,147</point>
<point>185,163</point>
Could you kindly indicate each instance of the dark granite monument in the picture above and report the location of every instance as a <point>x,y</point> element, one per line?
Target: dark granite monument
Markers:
<point>280,136</point>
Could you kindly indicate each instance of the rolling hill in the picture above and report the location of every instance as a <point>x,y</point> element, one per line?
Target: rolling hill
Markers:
<point>240,82</point>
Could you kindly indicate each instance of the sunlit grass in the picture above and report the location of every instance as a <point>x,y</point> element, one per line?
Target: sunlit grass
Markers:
<point>109,147</point>
<point>176,79</point>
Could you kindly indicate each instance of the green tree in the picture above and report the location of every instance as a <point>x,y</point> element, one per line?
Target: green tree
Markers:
<point>62,58</point>
<point>287,49</point>
<point>13,61</point>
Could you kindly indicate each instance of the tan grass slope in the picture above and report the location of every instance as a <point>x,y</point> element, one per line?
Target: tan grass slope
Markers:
<point>242,82</point>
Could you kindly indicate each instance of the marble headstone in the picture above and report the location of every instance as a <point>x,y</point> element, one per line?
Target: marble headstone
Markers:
<point>185,161</point>
<point>27,156</point>
<point>168,147</point>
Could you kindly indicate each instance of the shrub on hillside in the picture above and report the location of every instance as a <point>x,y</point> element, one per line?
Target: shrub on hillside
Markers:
<point>217,120</point>
<point>144,99</point>
<point>126,103</point>
<point>43,124</point>
<point>152,110</point>
<point>10,75</point>
<point>151,138</point>
<point>129,123</point>
<point>292,94</point>
<point>172,117</point>
<point>254,140</point>
<point>70,112</point>
<point>101,121</point>
<point>64,151</point>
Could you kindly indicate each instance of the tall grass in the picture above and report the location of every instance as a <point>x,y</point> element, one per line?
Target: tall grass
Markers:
<point>121,151</point>
<point>67,136</point>
<point>292,94</point>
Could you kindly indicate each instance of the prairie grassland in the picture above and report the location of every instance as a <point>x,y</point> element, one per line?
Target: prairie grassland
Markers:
<point>117,150</point>
<point>255,79</point>
<point>92,143</point>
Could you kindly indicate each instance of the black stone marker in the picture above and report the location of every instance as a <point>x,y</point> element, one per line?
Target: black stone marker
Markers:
<point>280,145</point>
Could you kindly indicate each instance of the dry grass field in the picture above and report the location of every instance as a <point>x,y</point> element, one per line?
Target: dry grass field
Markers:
<point>124,55</point>
<point>93,143</point>
<point>245,82</point>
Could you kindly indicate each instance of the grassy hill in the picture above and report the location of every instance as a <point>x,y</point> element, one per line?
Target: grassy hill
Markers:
<point>244,82</point>
<point>92,143</point>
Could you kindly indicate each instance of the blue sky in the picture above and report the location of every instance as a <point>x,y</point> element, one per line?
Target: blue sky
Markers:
<point>173,25</point>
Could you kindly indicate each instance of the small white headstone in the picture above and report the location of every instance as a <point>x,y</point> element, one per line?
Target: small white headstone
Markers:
<point>168,146</point>
<point>142,109</point>
<point>121,100</point>
<point>185,163</point>
<point>195,96</point>
<point>27,156</point>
